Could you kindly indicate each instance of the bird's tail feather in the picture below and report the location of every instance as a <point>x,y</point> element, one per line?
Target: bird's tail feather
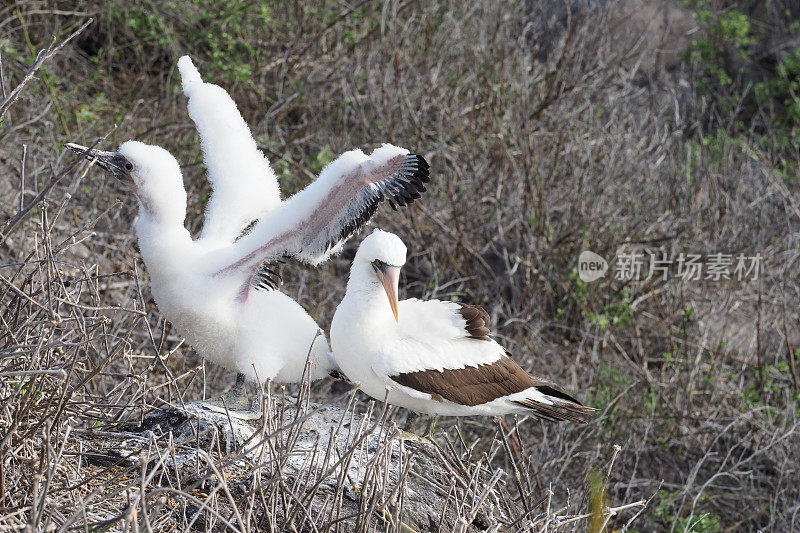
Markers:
<point>563,407</point>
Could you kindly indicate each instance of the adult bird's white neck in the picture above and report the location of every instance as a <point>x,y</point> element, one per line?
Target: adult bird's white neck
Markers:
<point>367,298</point>
<point>371,295</point>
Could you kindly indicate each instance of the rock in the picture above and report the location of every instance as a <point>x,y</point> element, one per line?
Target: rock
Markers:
<point>314,463</point>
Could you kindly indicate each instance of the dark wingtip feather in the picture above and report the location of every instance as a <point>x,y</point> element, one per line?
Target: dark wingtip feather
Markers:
<point>421,164</point>
<point>406,185</point>
<point>423,168</point>
<point>564,407</point>
<point>555,393</point>
<point>573,412</point>
<point>401,188</point>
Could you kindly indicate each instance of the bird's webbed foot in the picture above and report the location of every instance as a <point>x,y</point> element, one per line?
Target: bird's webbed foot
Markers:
<point>235,402</point>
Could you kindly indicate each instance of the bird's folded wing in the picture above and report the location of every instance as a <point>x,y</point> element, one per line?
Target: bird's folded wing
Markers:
<point>381,366</point>
<point>442,320</point>
<point>245,187</point>
<point>315,222</point>
<point>466,384</point>
<point>473,385</point>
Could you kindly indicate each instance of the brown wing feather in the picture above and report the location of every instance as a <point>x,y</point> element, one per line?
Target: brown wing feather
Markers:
<point>471,385</point>
<point>477,321</point>
<point>476,385</point>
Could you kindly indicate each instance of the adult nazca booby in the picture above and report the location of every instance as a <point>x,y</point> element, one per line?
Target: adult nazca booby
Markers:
<point>434,357</point>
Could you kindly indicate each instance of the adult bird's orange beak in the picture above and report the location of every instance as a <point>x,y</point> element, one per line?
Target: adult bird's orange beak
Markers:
<point>389,276</point>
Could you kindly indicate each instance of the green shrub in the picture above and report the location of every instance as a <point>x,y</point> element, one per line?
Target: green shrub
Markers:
<point>224,34</point>
<point>750,86</point>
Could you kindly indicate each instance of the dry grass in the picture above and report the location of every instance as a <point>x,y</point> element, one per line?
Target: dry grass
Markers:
<point>544,140</point>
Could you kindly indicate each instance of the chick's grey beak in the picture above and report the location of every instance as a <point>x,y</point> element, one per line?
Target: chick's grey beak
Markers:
<point>114,163</point>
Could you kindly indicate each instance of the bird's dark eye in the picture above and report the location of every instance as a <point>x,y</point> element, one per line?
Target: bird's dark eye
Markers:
<point>378,263</point>
<point>128,166</point>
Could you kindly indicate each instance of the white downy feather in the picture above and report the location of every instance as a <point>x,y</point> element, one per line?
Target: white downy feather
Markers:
<point>245,186</point>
